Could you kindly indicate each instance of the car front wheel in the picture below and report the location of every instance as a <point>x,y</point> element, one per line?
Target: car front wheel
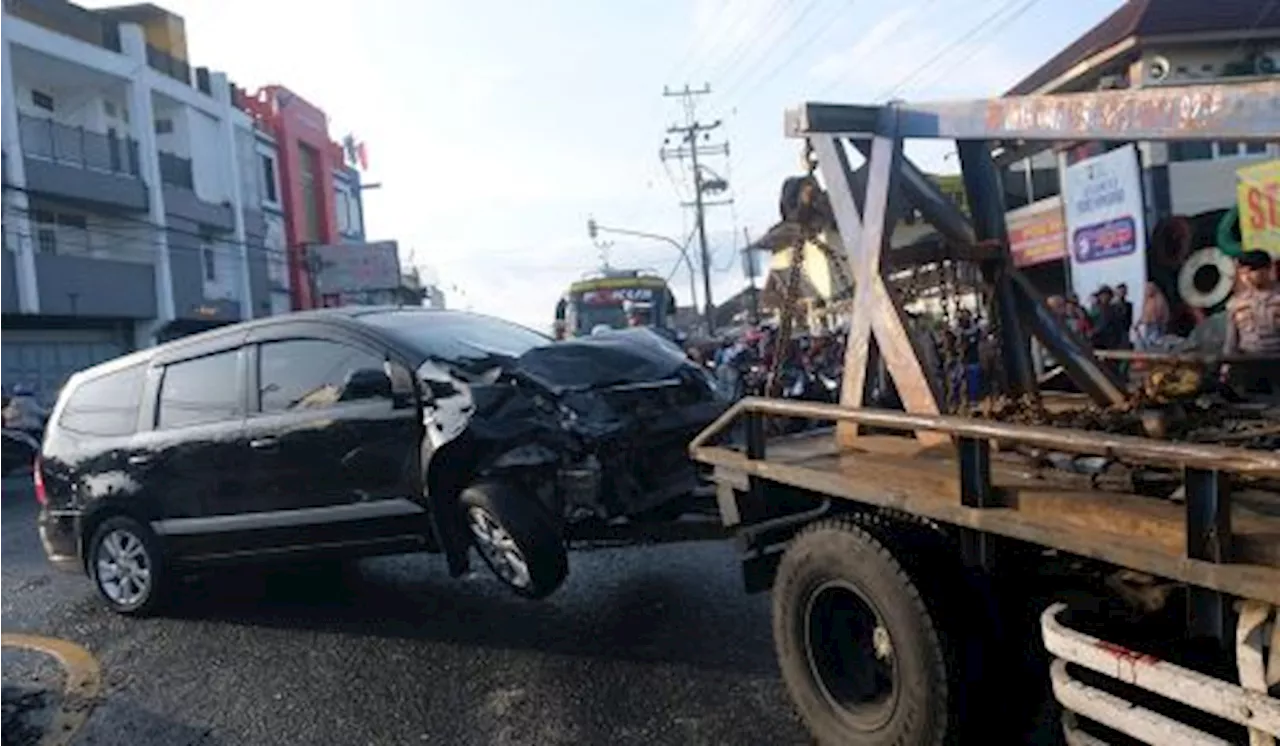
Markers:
<point>125,564</point>
<point>515,538</point>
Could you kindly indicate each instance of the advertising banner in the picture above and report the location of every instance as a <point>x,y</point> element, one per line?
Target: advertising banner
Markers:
<point>1037,233</point>
<point>1102,199</point>
<point>1258,190</point>
<point>355,267</point>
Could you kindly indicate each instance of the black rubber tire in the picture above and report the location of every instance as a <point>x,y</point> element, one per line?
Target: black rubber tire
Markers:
<point>839,550</point>
<point>527,522</point>
<point>158,593</point>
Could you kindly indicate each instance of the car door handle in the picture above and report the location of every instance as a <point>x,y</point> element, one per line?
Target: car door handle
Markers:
<point>139,459</point>
<point>263,444</point>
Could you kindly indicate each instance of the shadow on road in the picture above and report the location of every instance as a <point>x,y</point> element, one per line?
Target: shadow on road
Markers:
<point>679,604</point>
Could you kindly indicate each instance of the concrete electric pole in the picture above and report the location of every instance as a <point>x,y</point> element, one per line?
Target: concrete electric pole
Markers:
<point>692,146</point>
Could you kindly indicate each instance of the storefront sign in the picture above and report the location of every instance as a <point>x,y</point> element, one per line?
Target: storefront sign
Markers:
<point>1258,192</point>
<point>1037,233</point>
<point>1102,199</point>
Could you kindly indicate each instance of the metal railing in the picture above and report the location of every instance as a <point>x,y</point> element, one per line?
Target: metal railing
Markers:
<point>175,170</point>
<point>68,19</point>
<point>45,139</point>
<point>179,70</point>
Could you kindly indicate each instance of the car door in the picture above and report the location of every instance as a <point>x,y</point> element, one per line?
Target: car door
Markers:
<point>333,449</point>
<point>192,460</point>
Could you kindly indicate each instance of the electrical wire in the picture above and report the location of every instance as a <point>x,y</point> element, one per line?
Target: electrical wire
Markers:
<point>944,51</point>
<point>747,70</point>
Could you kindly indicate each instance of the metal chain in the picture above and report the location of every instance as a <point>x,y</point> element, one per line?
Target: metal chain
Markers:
<point>791,294</point>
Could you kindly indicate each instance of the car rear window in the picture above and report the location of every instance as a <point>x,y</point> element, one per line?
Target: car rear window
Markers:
<point>106,405</point>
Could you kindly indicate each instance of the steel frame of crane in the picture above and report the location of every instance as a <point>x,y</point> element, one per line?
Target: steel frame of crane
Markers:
<point>866,209</point>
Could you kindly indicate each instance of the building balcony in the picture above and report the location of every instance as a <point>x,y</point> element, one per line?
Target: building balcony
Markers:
<point>76,285</point>
<point>176,171</point>
<point>72,162</point>
<point>69,19</point>
<point>163,62</point>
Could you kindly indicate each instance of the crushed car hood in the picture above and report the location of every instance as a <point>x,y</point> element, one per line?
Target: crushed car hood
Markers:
<point>622,357</point>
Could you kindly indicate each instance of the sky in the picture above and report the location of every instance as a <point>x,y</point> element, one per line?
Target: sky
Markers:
<point>498,127</point>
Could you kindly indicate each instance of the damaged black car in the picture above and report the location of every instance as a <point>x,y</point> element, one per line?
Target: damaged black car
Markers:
<point>362,431</point>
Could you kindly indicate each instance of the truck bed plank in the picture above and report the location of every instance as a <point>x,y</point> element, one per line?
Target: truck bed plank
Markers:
<point>1132,531</point>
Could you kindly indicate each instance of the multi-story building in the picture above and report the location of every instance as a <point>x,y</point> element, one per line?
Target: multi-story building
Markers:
<point>126,221</point>
<point>319,192</point>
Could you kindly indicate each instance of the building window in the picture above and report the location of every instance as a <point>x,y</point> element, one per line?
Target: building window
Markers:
<point>164,126</point>
<point>46,231</point>
<point>42,100</point>
<point>341,205</point>
<point>269,177</point>
<point>210,263</point>
<point>310,182</point>
<point>1203,151</point>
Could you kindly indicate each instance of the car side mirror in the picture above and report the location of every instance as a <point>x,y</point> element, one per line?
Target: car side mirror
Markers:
<point>366,383</point>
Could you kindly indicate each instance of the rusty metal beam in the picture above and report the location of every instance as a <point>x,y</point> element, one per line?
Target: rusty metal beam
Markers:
<point>1073,353</point>
<point>876,313</point>
<point>986,203</point>
<point>1089,442</point>
<point>1231,111</point>
<point>934,206</point>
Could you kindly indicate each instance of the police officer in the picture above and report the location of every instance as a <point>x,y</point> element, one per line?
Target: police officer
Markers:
<point>1253,323</point>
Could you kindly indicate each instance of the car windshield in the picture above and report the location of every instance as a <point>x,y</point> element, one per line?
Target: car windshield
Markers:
<point>457,337</point>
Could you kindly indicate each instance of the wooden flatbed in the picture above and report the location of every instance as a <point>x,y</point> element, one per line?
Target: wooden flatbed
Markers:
<point>1132,531</point>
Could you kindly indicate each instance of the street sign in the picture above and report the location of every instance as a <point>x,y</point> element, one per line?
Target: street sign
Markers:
<point>355,267</point>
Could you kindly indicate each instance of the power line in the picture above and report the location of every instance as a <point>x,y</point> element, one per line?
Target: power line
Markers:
<point>747,70</point>
<point>800,48</point>
<point>977,48</point>
<point>897,87</point>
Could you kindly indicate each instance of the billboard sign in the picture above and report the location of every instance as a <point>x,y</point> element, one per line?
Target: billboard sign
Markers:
<point>1037,233</point>
<point>1102,199</point>
<point>1258,189</point>
<point>355,267</point>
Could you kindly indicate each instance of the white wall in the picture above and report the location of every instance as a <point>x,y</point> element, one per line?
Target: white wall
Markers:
<point>1200,186</point>
<point>209,160</point>
<point>178,141</point>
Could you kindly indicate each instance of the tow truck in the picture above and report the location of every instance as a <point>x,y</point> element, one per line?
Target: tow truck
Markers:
<point>1120,547</point>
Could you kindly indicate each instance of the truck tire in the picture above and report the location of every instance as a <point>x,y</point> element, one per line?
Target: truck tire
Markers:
<point>515,537</point>
<point>859,651</point>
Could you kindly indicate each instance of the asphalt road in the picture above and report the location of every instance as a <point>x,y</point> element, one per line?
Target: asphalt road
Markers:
<point>653,645</point>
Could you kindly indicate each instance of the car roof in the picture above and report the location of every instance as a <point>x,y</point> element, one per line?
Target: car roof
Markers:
<point>345,316</point>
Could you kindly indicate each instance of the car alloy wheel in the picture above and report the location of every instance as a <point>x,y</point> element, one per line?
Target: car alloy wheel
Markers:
<point>123,568</point>
<point>499,548</point>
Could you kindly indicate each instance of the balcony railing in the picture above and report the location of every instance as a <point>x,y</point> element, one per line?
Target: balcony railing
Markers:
<point>69,19</point>
<point>75,146</point>
<point>176,170</point>
<point>179,70</point>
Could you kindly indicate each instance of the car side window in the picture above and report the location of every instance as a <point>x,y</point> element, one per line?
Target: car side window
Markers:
<point>300,374</point>
<point>105,406</point>
<point>199,391</point>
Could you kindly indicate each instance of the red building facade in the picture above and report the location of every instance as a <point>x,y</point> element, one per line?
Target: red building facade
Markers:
<point>307,161</point>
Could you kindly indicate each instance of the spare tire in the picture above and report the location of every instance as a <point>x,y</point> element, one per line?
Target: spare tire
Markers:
<point>1207,279</point>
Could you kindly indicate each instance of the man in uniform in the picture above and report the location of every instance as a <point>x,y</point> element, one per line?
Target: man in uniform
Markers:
<point>1253,324</point>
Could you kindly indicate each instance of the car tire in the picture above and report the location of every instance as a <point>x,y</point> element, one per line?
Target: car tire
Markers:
<point>889,684</point>
<point>515,537</point>
<point>127,567</point>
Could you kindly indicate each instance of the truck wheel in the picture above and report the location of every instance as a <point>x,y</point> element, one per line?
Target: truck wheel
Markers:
<point>515,538</point>
<point>858,648</point>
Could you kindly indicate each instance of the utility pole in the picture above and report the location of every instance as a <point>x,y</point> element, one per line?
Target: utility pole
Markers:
<point>691,149</point>
<point>750,260</point>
